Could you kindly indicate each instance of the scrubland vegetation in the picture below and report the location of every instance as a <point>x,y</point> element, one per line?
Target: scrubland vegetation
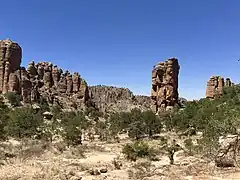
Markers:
<point>196,131</point>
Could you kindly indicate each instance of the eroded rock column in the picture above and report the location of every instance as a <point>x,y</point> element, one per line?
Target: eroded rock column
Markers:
<point>215,86</point>
<point>164,93</point>
<point>10,60</point>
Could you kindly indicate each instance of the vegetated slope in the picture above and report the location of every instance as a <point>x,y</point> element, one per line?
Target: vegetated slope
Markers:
<point>213,117</point>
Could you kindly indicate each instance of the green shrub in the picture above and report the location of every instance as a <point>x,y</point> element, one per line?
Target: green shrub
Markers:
<point>73,125</point>
<point>4,117</point>
<point>139,149</point>
<point>23,122</point>
<point>13,98</point>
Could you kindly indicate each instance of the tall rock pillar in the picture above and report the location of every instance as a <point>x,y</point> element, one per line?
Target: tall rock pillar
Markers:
<point>164,93</point>
<point>10,60</point>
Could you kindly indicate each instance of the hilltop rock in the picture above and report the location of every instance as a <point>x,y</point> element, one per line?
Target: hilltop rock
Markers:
<point>109,98</point>
<point>215,86</point>
<point>42,80</point>
<point>10,60</point>
<point>164,93</point>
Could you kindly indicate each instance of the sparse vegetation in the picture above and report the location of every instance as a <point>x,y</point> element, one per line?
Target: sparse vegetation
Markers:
<point>213,118</point>
<point>23,122</point>
<point>13,98</point>
<point>138,149</point>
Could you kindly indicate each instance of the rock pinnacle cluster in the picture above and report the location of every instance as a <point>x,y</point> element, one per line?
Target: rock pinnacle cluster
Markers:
<point>41,80</point>
<point>215,86</point>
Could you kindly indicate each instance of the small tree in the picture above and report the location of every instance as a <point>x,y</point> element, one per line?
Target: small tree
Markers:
<point>136,127</point>
<point>23,122</point>
<point>73,129</point>
<point>138,149</point>
<point>13,98</point>
<point>4,117</point>
<point>152,123</point>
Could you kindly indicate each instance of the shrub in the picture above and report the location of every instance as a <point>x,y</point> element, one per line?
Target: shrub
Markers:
<point>13,98</point>
<point>4,117</point>
<point>139,149</point>
<point>152,123</point>
<point>142,170</point>
<point>73,128</point>
<point>23,122</point>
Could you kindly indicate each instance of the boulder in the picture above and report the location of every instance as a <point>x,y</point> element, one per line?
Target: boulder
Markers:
<point>228,151</point>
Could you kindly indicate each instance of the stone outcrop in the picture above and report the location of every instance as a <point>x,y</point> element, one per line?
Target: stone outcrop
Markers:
<point>10,60</point>
<point>227,155</point>
<point>110,99</point>
<point>164,93</point>
<point>215,86</point>
<point>41,80</point>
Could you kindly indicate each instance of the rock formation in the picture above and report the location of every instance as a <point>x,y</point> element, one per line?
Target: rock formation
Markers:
<point>41,80</point>
<point>215,86</point>
<point>10,60</point>
<point>109,98</point>
<point>164,93</point>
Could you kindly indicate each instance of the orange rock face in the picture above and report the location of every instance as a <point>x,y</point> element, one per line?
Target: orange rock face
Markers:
<point>41,80</point>
<point>215,86</point>
<point>164,93</point>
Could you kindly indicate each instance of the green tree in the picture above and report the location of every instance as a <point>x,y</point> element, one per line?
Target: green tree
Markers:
<point>73,128</point>
<point>4,117</point>
<point>23,122</point>
<point>138,149</point>
<point>136,128</point>
<point>152,123</point>
<point>13,98</point>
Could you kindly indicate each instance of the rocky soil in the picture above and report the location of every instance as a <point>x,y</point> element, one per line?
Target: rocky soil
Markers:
<point>26,160</point>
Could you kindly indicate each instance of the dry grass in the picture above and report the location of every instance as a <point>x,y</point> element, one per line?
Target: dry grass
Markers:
<point>36,160</point>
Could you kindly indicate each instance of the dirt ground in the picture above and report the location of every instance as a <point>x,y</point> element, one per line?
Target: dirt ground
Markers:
<point>32,161</point>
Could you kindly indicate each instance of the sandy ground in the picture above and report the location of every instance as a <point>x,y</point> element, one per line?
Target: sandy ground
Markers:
<point>50,164</point>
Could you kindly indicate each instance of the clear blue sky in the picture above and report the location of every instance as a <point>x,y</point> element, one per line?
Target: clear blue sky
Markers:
<point>116,42</point>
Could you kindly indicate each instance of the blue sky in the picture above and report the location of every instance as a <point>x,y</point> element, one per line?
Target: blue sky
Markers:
<point>116,42</point>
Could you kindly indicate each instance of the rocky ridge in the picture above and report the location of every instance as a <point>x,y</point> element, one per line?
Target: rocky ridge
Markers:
<point>44,81</point>
<point>39,81</point>
<point>215,86</point>
<point>109,98</point>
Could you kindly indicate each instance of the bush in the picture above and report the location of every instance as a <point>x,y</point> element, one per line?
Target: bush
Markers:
<point>23,122</point>
<point>152,123</point>
<point>13,98</point>
<point>4,117</point>
<point>139,149</point>
<point>73,128</point>
<point>136,123</point>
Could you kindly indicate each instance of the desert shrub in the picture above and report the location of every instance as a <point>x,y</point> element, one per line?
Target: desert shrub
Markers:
<point>152,123</point>
<point>4,117</point>
<point>189,146</point>
<point>142,170</point>
<point>44,104</point>
<point>13,98</point>
<point>23,122</point>
<point>102,130</point>
<point>136,123</point>
<point>73,125</point>
<point>138,149</point>
<point>214,118</point>
<point>93,112</point>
